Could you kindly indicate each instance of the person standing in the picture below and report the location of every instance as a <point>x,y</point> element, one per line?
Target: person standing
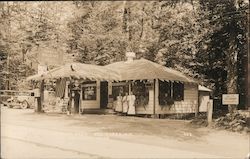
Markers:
<point>125,104</point>
<point>131,104</point>
<point>118,107</point>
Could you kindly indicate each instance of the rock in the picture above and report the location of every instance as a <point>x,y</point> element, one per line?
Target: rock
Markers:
<point>217,120</point>
<point>225,123</point>
<point>228,115</point>
<point>235,124</point>
<point>246,129</point>
<point>242,121</point>
<point>239,128</point>
<point>248,121</point>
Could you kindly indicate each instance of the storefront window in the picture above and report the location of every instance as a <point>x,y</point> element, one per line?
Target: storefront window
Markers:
<point>141,92</point>
<point>89,91</point>
<point>164,92</point>
<point>170,92</point>
<point>178,91</point>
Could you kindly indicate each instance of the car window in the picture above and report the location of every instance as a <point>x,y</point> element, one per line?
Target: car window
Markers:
<point>24,94</point>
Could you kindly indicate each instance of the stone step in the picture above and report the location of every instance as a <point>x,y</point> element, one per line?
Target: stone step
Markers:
<point>98,111</point>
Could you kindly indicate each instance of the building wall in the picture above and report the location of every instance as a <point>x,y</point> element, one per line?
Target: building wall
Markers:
<point>92,104</point>
<point>204,99</point>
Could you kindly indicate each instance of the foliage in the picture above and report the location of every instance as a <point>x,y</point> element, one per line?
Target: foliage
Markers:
<point>223,52</point>
<point>24,27</point>
<point>204,39</point>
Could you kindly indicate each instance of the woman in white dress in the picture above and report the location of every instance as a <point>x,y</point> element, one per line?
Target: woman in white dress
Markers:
<point>131,105</point>
<point>125,104</point>
<point>118,107</point>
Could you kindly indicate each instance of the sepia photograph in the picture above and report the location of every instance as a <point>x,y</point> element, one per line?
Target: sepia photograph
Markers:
<point>156,79</point>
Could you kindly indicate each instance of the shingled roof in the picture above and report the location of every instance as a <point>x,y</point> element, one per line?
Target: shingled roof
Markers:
<point>145,69</point>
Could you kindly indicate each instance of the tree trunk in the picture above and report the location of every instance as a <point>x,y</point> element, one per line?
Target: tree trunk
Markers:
<point>7,84</point>
<point>232,74</point>
<point>248,85</point>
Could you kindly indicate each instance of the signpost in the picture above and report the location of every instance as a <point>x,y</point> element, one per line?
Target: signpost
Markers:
<point>230,99</point>
<point>210,111</point>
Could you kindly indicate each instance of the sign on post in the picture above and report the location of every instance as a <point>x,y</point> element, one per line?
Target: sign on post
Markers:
<point>37,92</point>
<point>210,111</point>
<point>230,99</point>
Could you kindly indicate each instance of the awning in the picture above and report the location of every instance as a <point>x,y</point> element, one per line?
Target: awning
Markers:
<point>203,88</point>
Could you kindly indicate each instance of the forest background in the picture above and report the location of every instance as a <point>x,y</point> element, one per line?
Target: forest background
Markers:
<point>205,39</point>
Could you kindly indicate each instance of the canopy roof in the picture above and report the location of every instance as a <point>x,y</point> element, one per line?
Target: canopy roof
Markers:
<point>78,71</point>
<point>145,69</point>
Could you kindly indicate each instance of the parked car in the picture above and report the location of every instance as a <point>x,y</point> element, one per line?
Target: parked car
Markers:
<point>5,95</point>
<point>21,99</point>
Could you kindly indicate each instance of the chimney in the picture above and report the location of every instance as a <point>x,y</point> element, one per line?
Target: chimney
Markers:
<point>130,56</point>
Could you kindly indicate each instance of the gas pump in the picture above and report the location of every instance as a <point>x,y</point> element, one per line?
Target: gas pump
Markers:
<point>75,96</point>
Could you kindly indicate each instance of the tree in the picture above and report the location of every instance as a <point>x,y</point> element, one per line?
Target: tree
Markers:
<point>96,32</point>
<point>224,58</point>
<point>25,27</point>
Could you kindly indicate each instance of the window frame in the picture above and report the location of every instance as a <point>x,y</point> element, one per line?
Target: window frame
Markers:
<point>171,91</point>
<point>86,85</point>
<point>145,93</point>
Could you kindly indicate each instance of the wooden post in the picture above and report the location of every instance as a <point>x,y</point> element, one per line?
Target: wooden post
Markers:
<point>40,99</point>
<point>129,87</point>
<point>171,89</point>
<point>210,112</point>
<point>80,100</point>
<point>156,94</point>
<point>197,103</point>
<point>70,98</point>
<point>73,111</point>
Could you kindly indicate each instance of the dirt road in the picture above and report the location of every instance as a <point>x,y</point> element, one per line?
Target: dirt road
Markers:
<point>25,134</point>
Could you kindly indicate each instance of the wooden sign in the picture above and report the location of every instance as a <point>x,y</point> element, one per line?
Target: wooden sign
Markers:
<point>50,56</point>
<point>37,92</point>
<point>230,99</point>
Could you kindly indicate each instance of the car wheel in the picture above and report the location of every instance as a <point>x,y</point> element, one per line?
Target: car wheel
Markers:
<point>24,105</point>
